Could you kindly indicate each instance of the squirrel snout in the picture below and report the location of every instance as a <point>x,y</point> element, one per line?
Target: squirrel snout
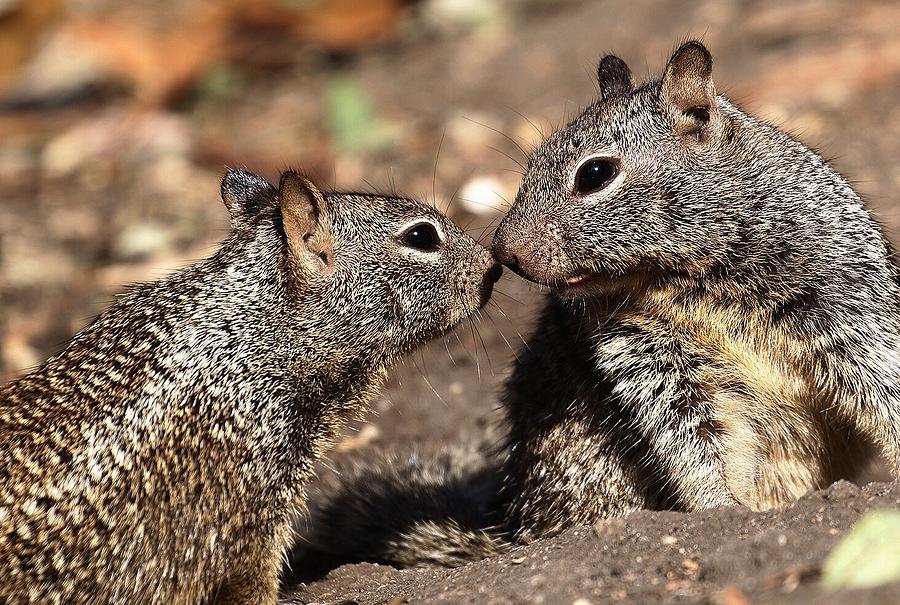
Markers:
<point>535,254</point>
<point>508,254</point>
<point>508,258</point>
<point>502,250</point>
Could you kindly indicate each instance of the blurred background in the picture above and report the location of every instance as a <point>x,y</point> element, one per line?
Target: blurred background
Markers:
<point>118,119</point>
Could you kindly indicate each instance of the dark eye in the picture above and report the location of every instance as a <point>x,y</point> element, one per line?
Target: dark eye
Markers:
<point>593,175</point>
<point>421,236</point>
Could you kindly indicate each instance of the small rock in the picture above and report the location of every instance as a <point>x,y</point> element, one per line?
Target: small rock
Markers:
<point>486,195</point>
<point>462,14</point>
<point>840,490</point>
<point>869,555</point>
<point>677,585</point>
<point>140,241</point>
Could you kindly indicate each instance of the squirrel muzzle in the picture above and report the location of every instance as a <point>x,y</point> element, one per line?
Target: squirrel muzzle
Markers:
<point>535,254</point>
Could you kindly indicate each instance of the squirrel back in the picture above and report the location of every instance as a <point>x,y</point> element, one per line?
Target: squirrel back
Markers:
<point>160,456</point>
<point>723,325</point>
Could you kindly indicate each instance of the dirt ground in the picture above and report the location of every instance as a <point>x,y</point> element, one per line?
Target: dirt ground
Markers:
<point>103,183</point>
<point>725,556</point>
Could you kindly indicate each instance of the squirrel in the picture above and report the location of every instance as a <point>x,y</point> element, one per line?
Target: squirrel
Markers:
<point>722,325</point>
<point>161,456</point>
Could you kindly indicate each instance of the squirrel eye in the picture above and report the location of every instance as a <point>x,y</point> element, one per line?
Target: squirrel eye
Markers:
<point>594,174</point>
<point>421,236</point>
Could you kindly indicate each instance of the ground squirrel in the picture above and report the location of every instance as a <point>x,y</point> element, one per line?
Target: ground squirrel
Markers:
<point>160,456</point>
<point>723,325</point>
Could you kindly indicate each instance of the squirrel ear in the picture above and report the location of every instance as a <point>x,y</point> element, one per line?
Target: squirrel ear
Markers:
<point>244,194</point>
<point>614,77</point>
<point>302,212</point>
<point>687,87</point>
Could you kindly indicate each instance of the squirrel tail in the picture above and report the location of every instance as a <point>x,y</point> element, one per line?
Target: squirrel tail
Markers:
<point>410,507</point>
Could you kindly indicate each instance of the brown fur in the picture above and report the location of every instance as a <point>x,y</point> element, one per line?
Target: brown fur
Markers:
<point>771,422</point>
<point>160,457</point>
<point>723,323</point>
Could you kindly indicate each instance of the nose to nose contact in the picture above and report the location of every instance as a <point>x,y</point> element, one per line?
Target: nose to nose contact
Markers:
<point>506,255</point>
<point>501,249</point>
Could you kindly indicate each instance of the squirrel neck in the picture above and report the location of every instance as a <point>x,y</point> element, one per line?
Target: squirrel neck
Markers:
<point>791,219</point>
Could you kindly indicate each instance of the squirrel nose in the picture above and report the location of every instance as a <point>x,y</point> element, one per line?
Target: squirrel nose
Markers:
<point>507,255</point>
<point>511,261</point>
<point>504,255</point>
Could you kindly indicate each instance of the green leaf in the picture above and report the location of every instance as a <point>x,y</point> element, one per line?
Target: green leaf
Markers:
<point>869,555</point>
<point>354,126</point>
<point>220,83</point>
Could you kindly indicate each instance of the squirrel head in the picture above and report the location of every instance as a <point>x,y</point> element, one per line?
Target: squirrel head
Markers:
<point>630,186</point>
<point>367,277</point>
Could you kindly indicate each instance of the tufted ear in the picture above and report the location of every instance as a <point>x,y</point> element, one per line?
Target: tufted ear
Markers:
<point>688,90</point>
<point>245,195</point>
<point>614,77</point>
<point>305,222</point>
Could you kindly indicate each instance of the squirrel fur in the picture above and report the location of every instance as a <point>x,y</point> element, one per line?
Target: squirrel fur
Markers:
<point>160,457</point>
<point>723,322</point>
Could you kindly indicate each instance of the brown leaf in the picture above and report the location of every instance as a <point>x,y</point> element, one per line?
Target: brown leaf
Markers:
<point>21,30</point>
<point>347,25</point>
<point>158,65</point>
<point>730,595</point>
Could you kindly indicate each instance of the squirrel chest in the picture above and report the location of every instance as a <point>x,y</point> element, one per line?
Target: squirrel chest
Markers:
<point>742,382</point>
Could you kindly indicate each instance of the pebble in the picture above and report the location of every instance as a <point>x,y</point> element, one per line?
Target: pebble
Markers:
<point>486,195</point>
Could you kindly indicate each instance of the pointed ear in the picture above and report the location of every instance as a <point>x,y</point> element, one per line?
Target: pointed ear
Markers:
<point>245,195</point>
<point>304,218</point>
<point>614,77</point>
<point>688,90</point>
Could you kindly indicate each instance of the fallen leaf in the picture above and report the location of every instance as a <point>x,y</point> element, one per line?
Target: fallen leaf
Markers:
<point>869,555</point>
<point>730,595</point>
<point>22,27</point>
<point>352,122</point>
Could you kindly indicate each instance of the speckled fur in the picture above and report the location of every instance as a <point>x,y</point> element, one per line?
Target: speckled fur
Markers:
<point>160,457</point>
<point>738,341</point>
